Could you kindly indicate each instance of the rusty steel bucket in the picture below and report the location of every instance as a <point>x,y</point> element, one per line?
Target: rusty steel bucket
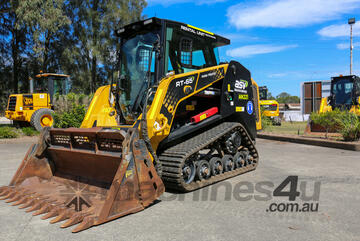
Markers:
<point>85,176</point>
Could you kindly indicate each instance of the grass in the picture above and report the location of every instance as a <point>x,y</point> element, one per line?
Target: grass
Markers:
<point>291,128</point>
<point>9,131</point>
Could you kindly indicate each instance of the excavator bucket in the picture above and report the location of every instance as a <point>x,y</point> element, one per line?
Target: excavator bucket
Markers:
<point>85,176</point>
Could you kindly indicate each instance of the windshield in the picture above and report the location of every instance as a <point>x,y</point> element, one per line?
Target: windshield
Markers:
<point>342,91</point>
<point>135,57</point>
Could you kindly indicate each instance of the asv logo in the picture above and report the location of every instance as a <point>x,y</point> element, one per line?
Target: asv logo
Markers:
<point>187,81</point>
<point>240,84</point>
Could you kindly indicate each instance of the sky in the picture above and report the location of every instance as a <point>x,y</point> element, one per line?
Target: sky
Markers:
<point>282,42</point>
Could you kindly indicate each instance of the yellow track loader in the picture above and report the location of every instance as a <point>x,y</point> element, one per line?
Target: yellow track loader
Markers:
<point>37,108</point>
<point>270,107</point>
<point>176,117</point>
<point>344,95</point>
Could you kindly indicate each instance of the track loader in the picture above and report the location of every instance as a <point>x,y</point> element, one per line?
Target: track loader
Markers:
<point>175,118</point>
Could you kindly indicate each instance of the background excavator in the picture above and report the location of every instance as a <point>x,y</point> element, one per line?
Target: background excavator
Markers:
<point>175,118</point>
<point>36,108</point>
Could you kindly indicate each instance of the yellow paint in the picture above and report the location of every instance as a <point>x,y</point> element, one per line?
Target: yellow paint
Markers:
<point>156,102</point>
<point>90,108</point>
<point>100,110</point>
<point>270,113</point>
<point>229,88</point>
<point>200,29</point>
<point>257,97</point>
<point>25,107</point>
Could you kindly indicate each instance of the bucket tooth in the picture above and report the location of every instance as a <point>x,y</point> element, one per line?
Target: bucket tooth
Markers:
<point>21,201</point>
<point>4,191</point>
<point>76,218</point>
<point>52,213</point>
<point>63,215</point>
<point>11,194</point>
<point>37,205</point>
<point>15,198</point>
<point>85,224</point>
<point>29,203</point>
<point>44,209</point>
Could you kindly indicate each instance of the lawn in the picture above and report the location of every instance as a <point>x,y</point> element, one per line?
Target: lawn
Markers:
<point>291,128</point>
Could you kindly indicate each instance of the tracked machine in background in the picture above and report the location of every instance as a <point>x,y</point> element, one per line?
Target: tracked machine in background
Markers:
<point>175,118</point>
<point>344,95</point>
<point>270,108</point>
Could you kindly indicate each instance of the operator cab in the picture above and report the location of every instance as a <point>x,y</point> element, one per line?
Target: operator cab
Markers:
<point>154,48</point>
<point>263,90</point>
<point>52,84</point>
<point>345,91</point>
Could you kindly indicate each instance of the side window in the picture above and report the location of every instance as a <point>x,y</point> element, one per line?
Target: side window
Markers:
<point>143,58</point>
<point>348,88</point>
<point>186,51</point>
<point>198,58</point>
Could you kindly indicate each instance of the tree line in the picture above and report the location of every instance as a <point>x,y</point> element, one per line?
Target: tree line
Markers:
<point>284,98</point>
<point>61,36</point>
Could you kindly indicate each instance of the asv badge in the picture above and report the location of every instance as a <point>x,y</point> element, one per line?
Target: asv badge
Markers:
<point>240,86</point>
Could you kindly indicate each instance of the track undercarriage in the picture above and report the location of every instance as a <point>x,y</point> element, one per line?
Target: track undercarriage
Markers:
<point>222,152</point>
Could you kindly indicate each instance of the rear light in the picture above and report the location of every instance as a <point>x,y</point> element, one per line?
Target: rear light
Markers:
<point>204,115</point>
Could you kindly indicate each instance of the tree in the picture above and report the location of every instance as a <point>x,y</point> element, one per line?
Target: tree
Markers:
<point>13,43</point>
<point>44,19</point>
<point>94,22</point>
<point>286,98</point>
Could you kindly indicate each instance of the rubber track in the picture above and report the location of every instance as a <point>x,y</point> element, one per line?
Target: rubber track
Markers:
<point>174,158</point>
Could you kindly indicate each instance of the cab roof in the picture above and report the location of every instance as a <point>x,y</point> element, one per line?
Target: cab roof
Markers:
<point>150,23</point>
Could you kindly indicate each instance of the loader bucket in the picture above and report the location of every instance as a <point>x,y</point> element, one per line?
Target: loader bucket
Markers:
<point>85,176</point>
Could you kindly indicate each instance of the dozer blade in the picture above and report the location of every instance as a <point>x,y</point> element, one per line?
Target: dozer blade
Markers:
<point>85,176</point>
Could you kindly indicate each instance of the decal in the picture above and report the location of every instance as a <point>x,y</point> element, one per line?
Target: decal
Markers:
<point>190,107</point>
<point>42,96</point>
<point>243,97</point>
<point>208,77</point>
<point>249,107</point>
<point>213,73</point>
<point>157,126</point>
<point>187,81</point>
<point>240,109</point>
<point>202,117</point>
<point>197,32</point>
<point>241,85</point>
<point>27,100</point>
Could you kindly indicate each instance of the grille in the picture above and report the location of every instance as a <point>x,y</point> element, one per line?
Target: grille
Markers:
<point>86,142</point>
<point>12,103</point>
<point>256,104</point>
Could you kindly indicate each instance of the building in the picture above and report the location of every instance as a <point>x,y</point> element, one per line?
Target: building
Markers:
<point>311,95</point>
